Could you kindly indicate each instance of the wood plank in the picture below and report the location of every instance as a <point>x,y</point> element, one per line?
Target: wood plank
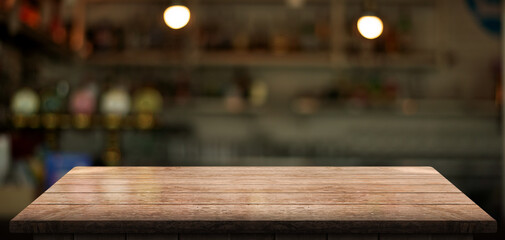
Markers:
<point>306,236</point>
<point>151,236</point>
<point>426,236</point>
<point>451,236</point>
<point>253,198</point>
<point>248,176</point>
<point>353,236</point>
<point>266,200</point>
<point>254,218</point>
<point>100,237</point>
<point>251,170</point>
<point>202,236</point>
<point>53,237</point>
<point>295,181</point>
<point>252,236</point>
<point>221,188</point>
<point>404,237</point>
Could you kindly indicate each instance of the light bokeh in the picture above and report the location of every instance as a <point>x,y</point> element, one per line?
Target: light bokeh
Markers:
<point>177,16</point>
<point>370,27</point>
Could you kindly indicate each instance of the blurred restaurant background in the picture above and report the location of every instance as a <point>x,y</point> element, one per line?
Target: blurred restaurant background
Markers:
<point>249,82</point>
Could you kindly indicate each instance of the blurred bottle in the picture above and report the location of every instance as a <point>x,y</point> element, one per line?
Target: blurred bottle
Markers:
<point>112,154</point>
<point>238,91</point>
<point>147,103</point>
<point>183,88</point>
<point>138,36</point>
<point>391,41</point>
<point>29,13</point>
<point>4,156</point>
<point>359,98</point>
<point>105,37</point>
<point>333,93</point>
<point>258,93</point>
<point>115,104</point>
<point>240,42</point>
<point>57,28</point>
<point>323,32</point>
<point>308,39</point>
<point>390,89</point>
<point>7,5</point>
<point>210,35</point>
<point>404,27</point>
<point>306,103</point>
<point>53,100</point>
<point>259,39</point>
<point>280,44</point>
<point>496,70</point>
<point>374,88</point>
<point>25,105</point>
<point>83,105</point>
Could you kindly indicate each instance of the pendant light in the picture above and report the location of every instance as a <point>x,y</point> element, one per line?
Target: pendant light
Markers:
<point>177,15</point>
<point>369,25</point>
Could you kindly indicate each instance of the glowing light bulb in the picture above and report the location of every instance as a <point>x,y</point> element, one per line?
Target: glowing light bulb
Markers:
<point>25,102</point>
<point>176,16</point>
<point>370,27</point>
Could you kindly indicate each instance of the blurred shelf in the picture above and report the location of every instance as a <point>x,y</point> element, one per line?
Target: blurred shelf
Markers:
<point>210,107</point>
<point>393,61</point>
<point>171,59</point>
<point>271,2</point>
<point>266,59</point>
<point>203,107</point>
<point>398,2</point>
<point>441,108</point>
<point>40,39</point>
<point>136,58</point>
<point>157,58</point>
<point>418,108</point>
<point>27,38</point>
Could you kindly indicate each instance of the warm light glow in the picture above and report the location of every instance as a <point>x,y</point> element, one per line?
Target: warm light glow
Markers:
<point>295,3</point>
<point>370,27</point>
<point>176,16</point>
<point>25,102</point>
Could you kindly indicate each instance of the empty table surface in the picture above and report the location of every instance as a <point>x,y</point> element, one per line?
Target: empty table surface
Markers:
<point>253,200</point>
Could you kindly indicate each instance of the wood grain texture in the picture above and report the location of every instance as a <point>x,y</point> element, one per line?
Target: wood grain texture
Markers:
<point>53,237</point>
<point>204,236</point>
<point>253,198</point>
<point>99,236</point>
<point>290,177</point>
<point>252,236</point>
<point>404,237</point>
<point>253,218</point>
<point>426,237</point>
<point>451,237</point>
<point>240,171</point>
<point>292,236</point>
<point>264,200</point>
<point>277,188</point>
<point>117,213</point>
<point>353,236</point>
<point>418,180</point>
<point>153,236</point>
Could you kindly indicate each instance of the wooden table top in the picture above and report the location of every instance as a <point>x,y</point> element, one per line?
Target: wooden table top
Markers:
<point>253,199</point>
